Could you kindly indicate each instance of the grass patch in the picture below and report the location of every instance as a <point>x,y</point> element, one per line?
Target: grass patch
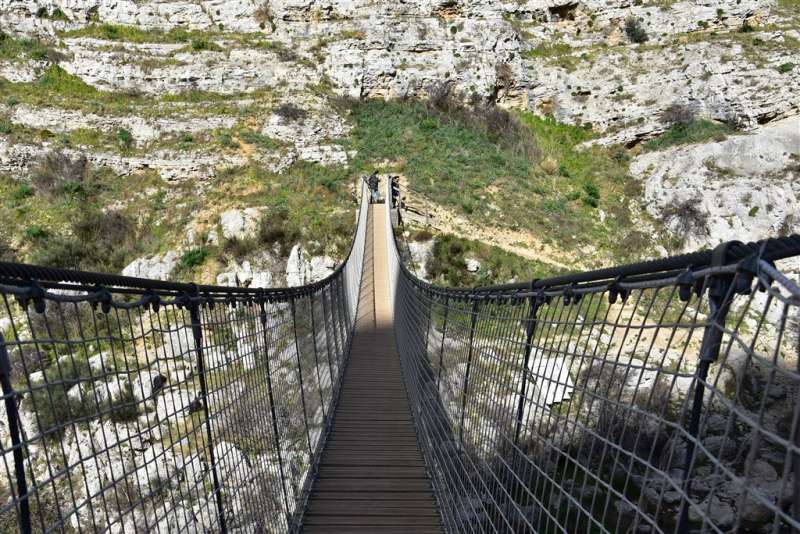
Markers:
<point>25,48</point>
<point>308,204</point>
<point>684,133</point>
<point>132,34</point>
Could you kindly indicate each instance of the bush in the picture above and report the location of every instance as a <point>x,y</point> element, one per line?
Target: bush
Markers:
<point>201,45</point>
<point>264,16</point>
<point>36,232</point>
<point>785,67</point>
<point>193,258</point>
<point>21,193</point>
<point>227,140</point>
<point>7,253</point>
<point>238,248</point>
<point>272,229</point>
<point>501,126</point>
<point>678,114</point>
<point>125,138</point>
<point>290,112</point>
<point>56,251</point>
<point>54,170</point>
<point>591,194</point>
<point>634,30</point>
<point>746,27</point>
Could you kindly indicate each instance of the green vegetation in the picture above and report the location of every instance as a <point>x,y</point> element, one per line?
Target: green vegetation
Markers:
<point>634,30</point>
<point>55,405</point>
<point>785,67</point>
<point>59,81</point>
<point>261,141</point>
<point>194,257</point>
<point>133,34</point>
<point>59,88</point>
<point>493,176</point>
<point>308,203</point>
<point>204,45</point>
<point>24,48</point>
<point>448,263</point>
<point>61,216</point>
<point>125,138</point>
<point>695,131</point>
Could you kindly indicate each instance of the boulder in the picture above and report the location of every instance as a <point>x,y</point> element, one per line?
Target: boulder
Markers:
<point>157,267</point>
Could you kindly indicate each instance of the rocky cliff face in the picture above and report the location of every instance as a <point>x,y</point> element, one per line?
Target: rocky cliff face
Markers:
<point>615,67</point>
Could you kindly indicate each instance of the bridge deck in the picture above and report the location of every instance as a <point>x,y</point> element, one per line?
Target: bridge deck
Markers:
<point>372,477</point>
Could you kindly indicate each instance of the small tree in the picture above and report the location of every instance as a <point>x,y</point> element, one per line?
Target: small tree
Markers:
<point>56,170</point>
<point>264,16</point>
<point>634,30</point>
<point>678,114</point>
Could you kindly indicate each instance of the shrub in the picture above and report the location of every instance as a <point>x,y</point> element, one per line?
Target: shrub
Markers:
<point>21,193</point>
<point>785,67</point>
<point>200,45</point>
<point>36,231</point>
<point>634,30</point>
<point>107,233</point>
<point>125,138</point>
<point>193,258</point>
<point>290,112</point>
<point>500,125</point>
<point>227,140</point>
<point>272,229</point>
<point>238,248</point>
<point>54,170</point>
<point>264,16</point>
<point>746,27</point>
<point>5,127</point>
<point>56,251</point>
<point>686,217</point>
<point>591,194</point>
<point>678,114</point>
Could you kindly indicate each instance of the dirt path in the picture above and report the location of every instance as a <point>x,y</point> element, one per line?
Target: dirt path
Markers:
<point>521,243</point>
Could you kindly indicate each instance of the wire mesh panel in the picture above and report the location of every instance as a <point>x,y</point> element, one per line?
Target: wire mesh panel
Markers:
<point>138,405</point>
<point>666,399</point>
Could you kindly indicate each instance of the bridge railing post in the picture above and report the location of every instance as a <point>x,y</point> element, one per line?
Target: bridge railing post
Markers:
<point>720,290</point>
<point>193,302</point>
<point>535,301</point>
<point>465,390</point>
<point>271,397</point>
<point>12,414</point>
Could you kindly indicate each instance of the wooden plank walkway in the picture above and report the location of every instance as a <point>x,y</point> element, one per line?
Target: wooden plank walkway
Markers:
<point>372,477</point>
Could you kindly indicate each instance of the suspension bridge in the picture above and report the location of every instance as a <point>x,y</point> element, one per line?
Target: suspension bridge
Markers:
<point>655,397</point>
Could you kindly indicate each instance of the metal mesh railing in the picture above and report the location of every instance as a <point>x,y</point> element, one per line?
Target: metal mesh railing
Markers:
<point>659,397</point>
<point>138,405</point>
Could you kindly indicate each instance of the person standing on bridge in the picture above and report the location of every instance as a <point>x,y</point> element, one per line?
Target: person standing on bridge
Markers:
<point>372,182</point>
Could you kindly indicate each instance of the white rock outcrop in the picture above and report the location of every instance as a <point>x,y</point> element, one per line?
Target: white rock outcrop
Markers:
<point>158,267</point>
<point>744,188</point>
